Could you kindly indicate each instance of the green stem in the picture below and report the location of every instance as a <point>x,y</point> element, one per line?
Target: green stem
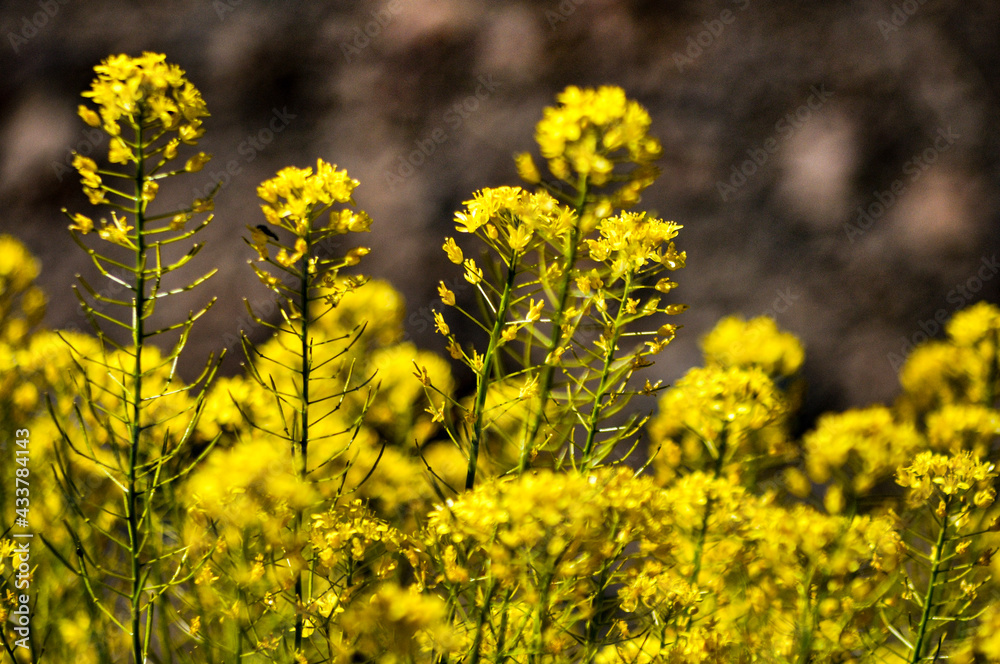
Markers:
<point>609,358</point>
<point>807,620</point>
<point>477,644</point>
<point>138,334</point>
<point>542,623</point>
<point>303,434</point>
<point>703,530</point>
<point>483,382</point>
<point>936,559</point>
<point>570,252</point>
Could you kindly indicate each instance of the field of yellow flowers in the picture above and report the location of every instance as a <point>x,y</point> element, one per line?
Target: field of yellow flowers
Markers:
<point>342,502</point>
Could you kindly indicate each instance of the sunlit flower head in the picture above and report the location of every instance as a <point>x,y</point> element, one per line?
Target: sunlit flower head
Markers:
<point>146,92</point>
<point>591,132</point>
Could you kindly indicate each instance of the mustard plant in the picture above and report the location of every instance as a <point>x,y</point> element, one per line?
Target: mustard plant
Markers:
<point>871,538</point>
<point>565,283</point>
<point>948,496</point>
<point>134,419</point>
<point>305,374</point>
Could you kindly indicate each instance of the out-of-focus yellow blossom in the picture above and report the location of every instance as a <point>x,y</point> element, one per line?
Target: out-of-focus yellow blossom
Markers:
<point>526,168</point>
<point>718,417</point>
<point>506,413</point>
<point>963,369</point>
<point>397,409</point>
<point>264,494</point>
<point>958,427</point>
<point>974,325</point>
<point>986,639</point>
<point>735,342</point>
<point>22,304</point>
<point>859,448</point>
<point>378,307</point>
<point>395,625</point>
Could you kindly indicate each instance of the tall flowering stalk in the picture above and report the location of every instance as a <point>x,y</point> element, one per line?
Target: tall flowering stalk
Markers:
<point>310,378</point>
<point>560,266</point>
<point>136,417</point>
<point>949,495</point>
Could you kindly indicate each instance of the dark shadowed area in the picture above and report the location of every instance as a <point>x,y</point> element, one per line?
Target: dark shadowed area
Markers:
<point>835,164</point>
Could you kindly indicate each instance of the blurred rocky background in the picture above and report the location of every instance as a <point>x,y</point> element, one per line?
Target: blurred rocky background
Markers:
<point>835,164</point>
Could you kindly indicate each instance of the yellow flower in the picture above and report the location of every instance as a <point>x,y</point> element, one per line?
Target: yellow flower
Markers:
<point>355,255</point>
<point>535,310</point>
<point>442,327</point>
<point>473,274</point>
<point>81,223</point>
<point>526,168</point>
<point>514,214</point>
<point>866,446</point>
<point>453,250</point>
<point>170,149</point>
<point>295,196</point>
<point>592,130</point>
<point>178,220</point>
<point>149,191</point>
<point>447,296</point>
<point>146,91</point>
<point>715,415</point>
<point>931,475</point>
<point>737,342</point>
<point>88,116</point>
<point>116,232</point>
<point>203,205</point>
<point>119,152</point>
<point>197,162</point>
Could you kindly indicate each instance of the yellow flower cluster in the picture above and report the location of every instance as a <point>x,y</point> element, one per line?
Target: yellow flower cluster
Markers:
<point>350,531</point>
<point>263,496</point>
<point>145,92</point>
<point>859,448</point>
<point>717,417</point>
<point>974,325</point>
<point>512,220</point>
<point>954,476</point>
<point>736,573</point>
<point>22,304</point>
<point>557,522</point>
<point>394,625</point>
<point>735,342</point>
<point>631,240</point>
<point>316,512</point>
<point>303,191</point>
<point>589,134</point>
<point>962,370</point>
<point>957,427</point>
<point>549,544</point>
